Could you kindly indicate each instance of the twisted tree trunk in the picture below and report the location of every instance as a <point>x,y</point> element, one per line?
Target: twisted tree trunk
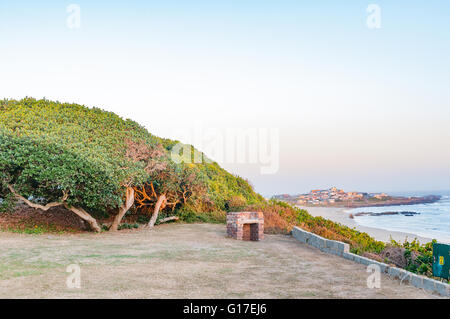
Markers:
<point>85,216</point>
<point>77,210</point>
<point>161,202</point>
<point>129,201</point>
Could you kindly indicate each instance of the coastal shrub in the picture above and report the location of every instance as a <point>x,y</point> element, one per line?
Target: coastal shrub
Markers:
<point>235,203</point>
<point>419,257</point>
<point>223,186</point>
<point>7,200</point>
<point>189,216</point>
<point>423,268</point>
<point>128,226</point>
<point>279,218</point>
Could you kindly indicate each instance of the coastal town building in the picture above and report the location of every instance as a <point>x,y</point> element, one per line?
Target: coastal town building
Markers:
<point>331,196</point>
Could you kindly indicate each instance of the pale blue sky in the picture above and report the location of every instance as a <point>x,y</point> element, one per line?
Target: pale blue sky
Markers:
<point>357,108</point>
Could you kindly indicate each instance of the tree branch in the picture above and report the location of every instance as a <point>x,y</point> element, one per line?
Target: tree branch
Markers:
<point>164,220</point>
<point>153,190</point>
<point>79,211</point>
<point>37,206</point>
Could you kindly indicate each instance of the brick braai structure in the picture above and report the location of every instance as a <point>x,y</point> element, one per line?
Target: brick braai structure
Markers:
<point>245,225</point>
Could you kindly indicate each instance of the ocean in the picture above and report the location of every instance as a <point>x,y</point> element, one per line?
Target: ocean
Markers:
<point>432,222</point>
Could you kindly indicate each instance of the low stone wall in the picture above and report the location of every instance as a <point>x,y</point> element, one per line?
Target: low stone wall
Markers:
<point>343,250</point>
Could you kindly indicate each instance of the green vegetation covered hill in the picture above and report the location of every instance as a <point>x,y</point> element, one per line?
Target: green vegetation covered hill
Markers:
<point>90,160</point>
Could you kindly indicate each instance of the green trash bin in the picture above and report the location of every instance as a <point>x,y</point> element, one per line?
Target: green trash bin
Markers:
<point>441,260</point>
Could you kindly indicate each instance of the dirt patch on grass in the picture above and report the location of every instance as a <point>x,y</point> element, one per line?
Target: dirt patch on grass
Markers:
<point>181,261</point>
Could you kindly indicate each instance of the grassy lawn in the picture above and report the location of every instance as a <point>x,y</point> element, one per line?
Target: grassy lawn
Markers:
<point>181,261</point>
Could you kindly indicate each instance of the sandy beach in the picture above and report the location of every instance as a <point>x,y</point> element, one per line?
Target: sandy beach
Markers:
<point>340,215</point>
